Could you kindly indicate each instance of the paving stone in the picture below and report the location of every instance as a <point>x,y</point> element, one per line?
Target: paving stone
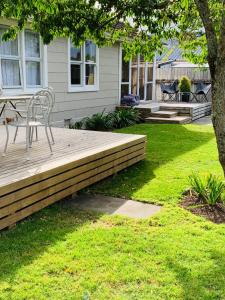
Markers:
<point>114,206</point>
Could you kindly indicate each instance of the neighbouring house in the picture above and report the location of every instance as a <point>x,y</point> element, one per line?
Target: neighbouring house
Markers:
<point>86,80</point>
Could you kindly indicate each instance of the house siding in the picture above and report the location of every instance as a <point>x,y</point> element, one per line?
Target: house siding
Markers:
<point>77,105</point>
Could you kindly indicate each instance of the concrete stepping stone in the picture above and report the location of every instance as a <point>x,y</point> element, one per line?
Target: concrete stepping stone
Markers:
<point>114,206</point>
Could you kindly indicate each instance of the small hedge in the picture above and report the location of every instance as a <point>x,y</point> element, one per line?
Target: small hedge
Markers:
<point>108,121</point>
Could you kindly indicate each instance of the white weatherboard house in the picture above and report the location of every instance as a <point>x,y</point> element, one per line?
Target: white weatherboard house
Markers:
<point>86,80</point>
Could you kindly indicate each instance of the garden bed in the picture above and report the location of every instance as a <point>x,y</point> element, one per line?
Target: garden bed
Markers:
<point>215,213</point>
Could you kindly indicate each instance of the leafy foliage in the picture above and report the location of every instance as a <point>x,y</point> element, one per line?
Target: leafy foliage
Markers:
<point>103,121</point>
<point>209,189</point>
<point>77,125</point>
<point>184,84</point>
<point>99,122</point>
<point>82,19</point>
<point>125,117</point>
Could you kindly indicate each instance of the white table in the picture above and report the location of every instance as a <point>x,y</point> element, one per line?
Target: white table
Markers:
<point>11,99</point>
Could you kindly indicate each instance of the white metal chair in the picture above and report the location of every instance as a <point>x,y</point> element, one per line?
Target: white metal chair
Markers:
<point>52,103</point>
<point>36,114</point>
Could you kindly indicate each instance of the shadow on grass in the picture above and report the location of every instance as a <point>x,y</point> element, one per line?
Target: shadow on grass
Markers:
<point>165,144</point>
<point>33,236</point>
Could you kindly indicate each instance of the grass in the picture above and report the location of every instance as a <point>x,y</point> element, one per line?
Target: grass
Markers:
<point>173,153</point>
<point>62,253</point>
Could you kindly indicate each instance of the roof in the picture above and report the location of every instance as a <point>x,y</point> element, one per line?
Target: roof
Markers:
<point>172,53</point>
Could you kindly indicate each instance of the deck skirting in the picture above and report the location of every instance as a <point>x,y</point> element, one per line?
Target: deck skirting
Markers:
<point>23,197</point>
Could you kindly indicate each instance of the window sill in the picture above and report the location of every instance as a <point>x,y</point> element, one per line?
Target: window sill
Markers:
<point>27,91</point>
<point>83,89</point>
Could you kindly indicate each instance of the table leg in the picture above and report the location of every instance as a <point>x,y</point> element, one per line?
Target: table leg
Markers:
<point>7,132</point>
<point>2,110</point>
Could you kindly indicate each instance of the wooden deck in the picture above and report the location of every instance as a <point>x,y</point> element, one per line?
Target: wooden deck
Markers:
<point>187,112</point>
<point>80,159</point>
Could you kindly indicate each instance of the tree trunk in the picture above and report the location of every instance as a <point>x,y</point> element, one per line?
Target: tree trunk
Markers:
<point>218,108</point>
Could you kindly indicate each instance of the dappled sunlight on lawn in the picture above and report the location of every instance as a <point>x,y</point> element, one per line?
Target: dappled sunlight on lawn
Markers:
<point>173,153</point>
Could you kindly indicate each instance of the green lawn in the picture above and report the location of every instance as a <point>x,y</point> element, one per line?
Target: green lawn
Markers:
<point>173,153</point>
<point>61,253</point>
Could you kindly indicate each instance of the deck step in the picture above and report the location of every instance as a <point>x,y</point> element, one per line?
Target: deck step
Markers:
<point>164,114</point>
<point>172,120</point>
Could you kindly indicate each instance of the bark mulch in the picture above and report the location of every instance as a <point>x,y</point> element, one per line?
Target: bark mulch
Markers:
<point>215,213</point>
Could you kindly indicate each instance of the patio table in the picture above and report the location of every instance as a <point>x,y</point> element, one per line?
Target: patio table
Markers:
<point>11,99</point>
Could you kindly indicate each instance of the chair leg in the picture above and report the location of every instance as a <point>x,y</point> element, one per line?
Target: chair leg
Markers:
<point>31,136</point>
<point>7,138</point>
<point>15,136</point>
<point>49,143</point>
<point>28,129</point>
<point>53,140</point>
<point>36,131</point>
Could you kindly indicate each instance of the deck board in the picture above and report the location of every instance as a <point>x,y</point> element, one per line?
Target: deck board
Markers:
<point>80,158</point>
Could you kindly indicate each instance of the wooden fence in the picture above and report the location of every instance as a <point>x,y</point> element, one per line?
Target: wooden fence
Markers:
<point>169,74</point>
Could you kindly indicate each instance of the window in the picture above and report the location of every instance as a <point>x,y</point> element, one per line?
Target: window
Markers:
<point>83,67</point>
<point>125,83</point>
<point>33,59</point>
<point>10,63</point>
<point>21,62</point>
<point>137,77</point>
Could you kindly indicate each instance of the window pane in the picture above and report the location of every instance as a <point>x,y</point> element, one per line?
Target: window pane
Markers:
<point>134,76</point>
<point>150,72</point>
<point>32,44</point>
<point>75,53</point>
<point>33,73</point>
<point>75,74</point>
<point>90,75</point>
<point>125,70</point>
<point>124,90</point>
<point>141,81</point>
<point>10,72</point>
<point>8,48</point>
<point>149,92</point>
<point>90,51</point>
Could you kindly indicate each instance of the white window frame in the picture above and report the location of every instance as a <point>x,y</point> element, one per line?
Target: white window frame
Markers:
<point>24,89</point>
<point>72,88</point>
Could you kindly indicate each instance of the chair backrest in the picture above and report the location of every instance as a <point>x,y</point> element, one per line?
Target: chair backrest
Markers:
<point>40,105</point>
<point>174,86</point>
<point>202,88</point>
<point>168,88</point>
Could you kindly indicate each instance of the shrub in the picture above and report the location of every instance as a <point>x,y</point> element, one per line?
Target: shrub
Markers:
<point>98,122</point>
<point>103,122</point>
<point>125,117</point>
<point>184,84</point>
<point>210,189</point>
<point>77,125</point>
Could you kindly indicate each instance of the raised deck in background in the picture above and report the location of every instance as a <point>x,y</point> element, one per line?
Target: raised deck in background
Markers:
<point>172,112</point>
<point>80,158</point>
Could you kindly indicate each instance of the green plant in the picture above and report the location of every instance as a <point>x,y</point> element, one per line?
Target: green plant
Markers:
<point>77,125</point>
<point>98,122</point>
<point>210,189</point>
<point>197,185</point>
<point>214,189</point>
<point>125,117</point>
<point>184,84</point>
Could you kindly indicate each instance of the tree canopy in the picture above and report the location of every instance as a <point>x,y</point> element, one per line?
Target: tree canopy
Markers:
<point>146,24</point>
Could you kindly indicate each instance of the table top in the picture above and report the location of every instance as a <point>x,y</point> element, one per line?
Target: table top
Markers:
<point>14,98</point>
